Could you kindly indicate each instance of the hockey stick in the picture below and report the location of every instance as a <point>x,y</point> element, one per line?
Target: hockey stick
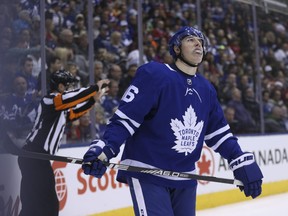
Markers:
<point>35,155</point>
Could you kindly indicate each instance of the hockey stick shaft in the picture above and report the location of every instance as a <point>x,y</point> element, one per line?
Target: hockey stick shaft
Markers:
<point>23,153</point>
<point>168,173</point>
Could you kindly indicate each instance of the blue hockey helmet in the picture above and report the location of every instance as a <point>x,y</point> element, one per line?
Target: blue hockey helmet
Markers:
<point>182,33</point>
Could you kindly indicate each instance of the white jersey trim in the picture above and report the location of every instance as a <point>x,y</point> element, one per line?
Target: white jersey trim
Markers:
<point>169,67</point>
<point>139,197</point>
<point>123,116</point>
<point>214,147</point>
<point>127,126</point>
<point>217,132</point>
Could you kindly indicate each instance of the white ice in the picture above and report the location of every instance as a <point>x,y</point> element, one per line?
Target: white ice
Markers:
<point>274,205</point>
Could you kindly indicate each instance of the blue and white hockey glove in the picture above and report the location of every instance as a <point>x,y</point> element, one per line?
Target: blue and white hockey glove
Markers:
<point>246,170</point>
<point>92,160</point>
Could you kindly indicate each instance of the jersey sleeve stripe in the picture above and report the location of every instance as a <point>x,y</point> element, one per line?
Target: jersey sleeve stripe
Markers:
<point>73,115</point>
<point>127,126</point>
<point>123,116</point>
<point>61,105</point>
<point>214,147</point>
<point>217,132</point>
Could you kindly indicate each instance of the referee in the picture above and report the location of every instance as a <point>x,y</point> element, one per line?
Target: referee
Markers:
<point>37,193</point>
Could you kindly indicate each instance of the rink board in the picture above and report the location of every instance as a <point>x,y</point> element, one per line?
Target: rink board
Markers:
<point>81,195</point>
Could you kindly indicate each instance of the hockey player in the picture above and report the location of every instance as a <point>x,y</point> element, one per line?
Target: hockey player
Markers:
<point>38,195</point>
<point>163,118</point>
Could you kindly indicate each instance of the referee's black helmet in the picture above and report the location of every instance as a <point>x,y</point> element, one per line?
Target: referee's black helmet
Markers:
<point>61,76</point>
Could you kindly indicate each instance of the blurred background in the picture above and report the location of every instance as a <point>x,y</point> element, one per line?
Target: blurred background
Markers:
<point>247,60</point>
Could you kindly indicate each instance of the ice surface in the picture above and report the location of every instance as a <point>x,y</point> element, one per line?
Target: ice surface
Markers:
<point>274,205</point>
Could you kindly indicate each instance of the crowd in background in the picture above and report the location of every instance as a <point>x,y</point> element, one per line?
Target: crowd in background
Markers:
<point>230,63</point>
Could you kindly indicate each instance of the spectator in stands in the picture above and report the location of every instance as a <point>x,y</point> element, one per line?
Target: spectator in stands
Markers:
<point>36,59</point>
<point>98,71</point>
<point>275,122</point>
<point>229,85</point>
<point>23,39</point>
<point>103,38</point>
<point>67,14</point>
<point>113,23</point>
<point>20,110</point>
<point>111,101</point>
<point>242,115</point>
<point>51,35</point>
<point>80,130</point>
<point>82,44</point>
<point>96,26</point>
<point>115,72</point>
<point>229,113</point>
<point>281,54</point>
<point>35,31</point>
<point>66,40</point>
<point>276,98</point>
<point>267,104</point>
<point>64,53</point>
<point>53,64</point>
<point>150,52</point>
<point>26,68</point>
<point>101,121</point>
<point>159,31</point>
<point>73,69</point>
<point>133,55</point>
<point>212,63</point>
<point>250,103</point>
<point>167,58</point>
<point>161,51</point>
<point>116,47</point>
<point>56,15</point>
<point>132,24</point>
<point>235,31</point>
<point>126,79</point>
<point>244,83</point>
<point>82,62</point>
<point>23,21</point>
<point>126,37</point>
<point>79,25</point>
<point>107,58</point>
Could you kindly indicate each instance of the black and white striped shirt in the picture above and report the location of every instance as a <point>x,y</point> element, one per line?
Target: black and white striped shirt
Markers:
<point>54,110</point>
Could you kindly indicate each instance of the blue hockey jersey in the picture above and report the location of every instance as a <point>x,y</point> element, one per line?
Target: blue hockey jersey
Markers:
<point>163,118</point>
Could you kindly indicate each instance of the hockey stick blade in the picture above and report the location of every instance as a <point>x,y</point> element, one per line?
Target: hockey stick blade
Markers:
<point>35,155</point>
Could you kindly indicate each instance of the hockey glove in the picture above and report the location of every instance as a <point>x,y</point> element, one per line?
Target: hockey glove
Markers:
<point>246,170</point>
<point>92,160</point>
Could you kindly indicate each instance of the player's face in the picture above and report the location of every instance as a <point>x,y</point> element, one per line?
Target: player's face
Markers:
<point>192,49</point>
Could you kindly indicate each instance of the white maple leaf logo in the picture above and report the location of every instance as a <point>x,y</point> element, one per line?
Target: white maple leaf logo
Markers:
<point>186,133</point>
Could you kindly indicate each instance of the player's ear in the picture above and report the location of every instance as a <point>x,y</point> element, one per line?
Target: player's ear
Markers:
<point>176,50</point>
<point>61,88</point>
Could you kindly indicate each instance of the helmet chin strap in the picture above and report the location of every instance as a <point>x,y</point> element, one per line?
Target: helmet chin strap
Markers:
<point>180,56</point>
